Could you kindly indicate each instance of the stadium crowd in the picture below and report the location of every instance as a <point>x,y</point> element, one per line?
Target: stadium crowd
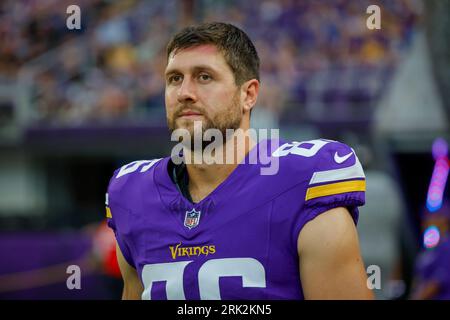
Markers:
<point>111,69</point>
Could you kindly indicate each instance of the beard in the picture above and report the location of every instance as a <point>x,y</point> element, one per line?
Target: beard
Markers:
<point>230,118</point>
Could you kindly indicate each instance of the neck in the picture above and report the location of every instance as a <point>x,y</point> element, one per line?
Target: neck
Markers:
<point>215,168</point>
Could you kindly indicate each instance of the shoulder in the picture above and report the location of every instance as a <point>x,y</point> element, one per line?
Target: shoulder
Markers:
<point>131,176</point>
<point>319,160</point>
<point>327,172</point>
<point>125,193</point>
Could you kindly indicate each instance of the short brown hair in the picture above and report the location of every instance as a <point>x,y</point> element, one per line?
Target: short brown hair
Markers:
<point>237,48</point>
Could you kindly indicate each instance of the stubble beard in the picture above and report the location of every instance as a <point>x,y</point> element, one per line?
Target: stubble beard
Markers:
<point>230,119</point>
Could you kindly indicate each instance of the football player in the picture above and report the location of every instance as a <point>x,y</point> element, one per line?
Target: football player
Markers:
<point>226,231</point>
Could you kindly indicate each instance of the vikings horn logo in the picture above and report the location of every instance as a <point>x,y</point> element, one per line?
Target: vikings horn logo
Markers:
<point>192,218</point>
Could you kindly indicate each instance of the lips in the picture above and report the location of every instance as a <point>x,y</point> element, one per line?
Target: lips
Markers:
<point>190,113</point>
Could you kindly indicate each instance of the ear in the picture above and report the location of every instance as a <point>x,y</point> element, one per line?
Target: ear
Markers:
<point>249,94</point>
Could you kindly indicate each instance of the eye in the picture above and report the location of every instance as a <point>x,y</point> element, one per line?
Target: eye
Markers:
<point>174,78</point>
<point>204,77</point>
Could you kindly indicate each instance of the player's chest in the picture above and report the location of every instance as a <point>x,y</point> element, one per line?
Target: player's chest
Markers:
<point>202,231</point>
<point>201,259</point>
<point>227,252</point>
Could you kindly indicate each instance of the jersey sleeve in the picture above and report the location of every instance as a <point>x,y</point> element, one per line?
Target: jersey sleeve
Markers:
<point>116,218</point>
<point>337,180</point>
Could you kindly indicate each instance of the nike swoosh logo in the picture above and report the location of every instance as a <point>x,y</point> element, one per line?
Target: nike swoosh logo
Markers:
<point>340,159</point>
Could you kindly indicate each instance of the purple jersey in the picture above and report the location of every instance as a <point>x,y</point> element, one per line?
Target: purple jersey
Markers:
<point>240,242</point>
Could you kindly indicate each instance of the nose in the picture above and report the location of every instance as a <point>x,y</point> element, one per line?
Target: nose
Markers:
<point>186,92</point>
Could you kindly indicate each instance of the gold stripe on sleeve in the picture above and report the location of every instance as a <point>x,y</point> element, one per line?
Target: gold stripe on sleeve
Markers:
<point>108,212</point>
<point>335,188</point>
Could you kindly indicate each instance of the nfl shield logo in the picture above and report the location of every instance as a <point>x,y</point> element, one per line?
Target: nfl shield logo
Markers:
<point>192,219</point>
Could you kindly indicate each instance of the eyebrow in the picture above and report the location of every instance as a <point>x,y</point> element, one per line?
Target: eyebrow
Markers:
<point>194,69</point>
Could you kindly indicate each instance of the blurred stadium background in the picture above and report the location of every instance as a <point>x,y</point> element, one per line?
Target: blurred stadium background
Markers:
<point>76,104</point>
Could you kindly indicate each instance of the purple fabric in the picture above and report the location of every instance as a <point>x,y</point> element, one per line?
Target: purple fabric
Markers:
<point>252,220</point>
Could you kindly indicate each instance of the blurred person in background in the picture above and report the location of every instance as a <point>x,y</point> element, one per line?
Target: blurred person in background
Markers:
<point>432,268</point>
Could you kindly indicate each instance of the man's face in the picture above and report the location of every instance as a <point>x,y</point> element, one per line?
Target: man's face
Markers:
<point>200,86</point>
